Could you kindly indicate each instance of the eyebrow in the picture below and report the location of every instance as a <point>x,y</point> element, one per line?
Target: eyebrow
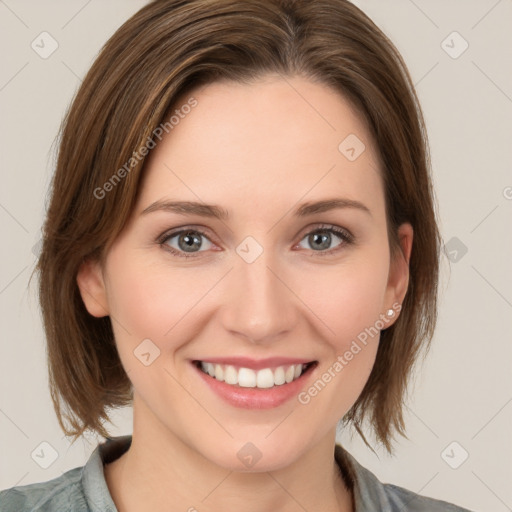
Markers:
<point>214,211</point>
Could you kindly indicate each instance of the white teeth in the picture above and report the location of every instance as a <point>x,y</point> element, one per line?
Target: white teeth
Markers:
<point>290,372</point>
<point>219,372</point>
<point>231,375</point>
<point>248,378</point>
<point>279,376</point>
<point>265,378</point>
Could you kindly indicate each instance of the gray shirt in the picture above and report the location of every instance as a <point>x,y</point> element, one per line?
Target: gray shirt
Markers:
<point>84,489</point>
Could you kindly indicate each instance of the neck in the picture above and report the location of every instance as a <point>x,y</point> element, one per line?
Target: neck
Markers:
<point>161,472</point>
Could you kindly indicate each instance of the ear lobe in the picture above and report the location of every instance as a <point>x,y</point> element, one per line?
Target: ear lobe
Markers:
<point>92,288</point>
<point>398,281</point>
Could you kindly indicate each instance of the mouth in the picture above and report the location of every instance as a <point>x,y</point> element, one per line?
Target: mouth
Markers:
<point>268,377</point>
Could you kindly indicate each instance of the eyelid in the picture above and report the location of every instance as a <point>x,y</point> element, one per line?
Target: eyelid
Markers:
<point>171,233</point>
<point>343,233</point>
<point>176,231</point>
<point>327,227</point>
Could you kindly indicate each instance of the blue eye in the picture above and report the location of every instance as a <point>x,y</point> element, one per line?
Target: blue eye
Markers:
<point>320,238</point>
<point>189,241</point>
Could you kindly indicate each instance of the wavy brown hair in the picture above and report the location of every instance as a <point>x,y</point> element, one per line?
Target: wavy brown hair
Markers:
<point>166,49</point>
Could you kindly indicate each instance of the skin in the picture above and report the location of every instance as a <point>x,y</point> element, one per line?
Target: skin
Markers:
<point>259,151</point>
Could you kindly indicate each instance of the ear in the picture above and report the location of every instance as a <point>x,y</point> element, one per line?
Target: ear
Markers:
<point>92,288</point>
<point>398,279</point>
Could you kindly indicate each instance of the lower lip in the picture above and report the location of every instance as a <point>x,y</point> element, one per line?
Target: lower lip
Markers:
<point>255,398</point>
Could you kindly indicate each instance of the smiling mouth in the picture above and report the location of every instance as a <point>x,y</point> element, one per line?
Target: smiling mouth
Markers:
<point>264,378</point>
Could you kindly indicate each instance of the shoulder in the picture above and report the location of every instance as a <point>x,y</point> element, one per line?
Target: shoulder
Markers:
<point>78,490</point>
<point>371,494</point>
<point>402,500</point>
<point>62,493</point>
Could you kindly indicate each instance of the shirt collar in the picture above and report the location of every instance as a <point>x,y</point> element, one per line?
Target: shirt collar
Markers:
<point>94,484</point>
<point>368,491</point>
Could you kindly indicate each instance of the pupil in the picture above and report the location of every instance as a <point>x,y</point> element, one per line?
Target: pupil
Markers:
<point>324,240</point>
<point>189,240</point>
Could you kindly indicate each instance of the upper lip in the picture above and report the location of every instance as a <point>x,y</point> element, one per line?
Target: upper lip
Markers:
<point>256,364</point>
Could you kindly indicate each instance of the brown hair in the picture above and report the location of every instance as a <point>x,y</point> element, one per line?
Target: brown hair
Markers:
<point>168,48</point>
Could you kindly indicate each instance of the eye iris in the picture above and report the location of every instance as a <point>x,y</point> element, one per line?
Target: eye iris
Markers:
<point>324,237</point>
<point>188,240</point>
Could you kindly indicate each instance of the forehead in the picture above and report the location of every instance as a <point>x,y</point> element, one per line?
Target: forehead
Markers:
<point>274,140</point>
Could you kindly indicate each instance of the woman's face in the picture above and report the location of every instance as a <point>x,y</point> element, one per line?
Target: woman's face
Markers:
<point>266,291</point>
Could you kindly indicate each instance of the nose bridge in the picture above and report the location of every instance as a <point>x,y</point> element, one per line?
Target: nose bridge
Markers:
<point>259,306</point>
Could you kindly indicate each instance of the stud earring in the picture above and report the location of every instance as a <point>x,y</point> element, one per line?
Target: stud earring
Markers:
<point>390,312</point>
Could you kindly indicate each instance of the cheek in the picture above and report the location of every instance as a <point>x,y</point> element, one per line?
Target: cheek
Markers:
<point>150,297</point>
<point>348,298</point>
<point>152,301</point>
<point>349,303</point>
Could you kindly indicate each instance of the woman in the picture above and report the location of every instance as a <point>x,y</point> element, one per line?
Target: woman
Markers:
<point>241,241</point>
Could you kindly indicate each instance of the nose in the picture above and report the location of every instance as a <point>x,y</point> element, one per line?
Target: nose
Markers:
<point>260,305</point>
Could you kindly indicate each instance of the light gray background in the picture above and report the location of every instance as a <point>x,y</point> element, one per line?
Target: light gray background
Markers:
<point>464,391</point>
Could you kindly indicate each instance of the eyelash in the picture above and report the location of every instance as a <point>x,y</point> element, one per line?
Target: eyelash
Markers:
<point>345,236</point>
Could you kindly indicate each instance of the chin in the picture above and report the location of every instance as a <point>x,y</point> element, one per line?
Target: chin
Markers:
<point>254,456</point>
